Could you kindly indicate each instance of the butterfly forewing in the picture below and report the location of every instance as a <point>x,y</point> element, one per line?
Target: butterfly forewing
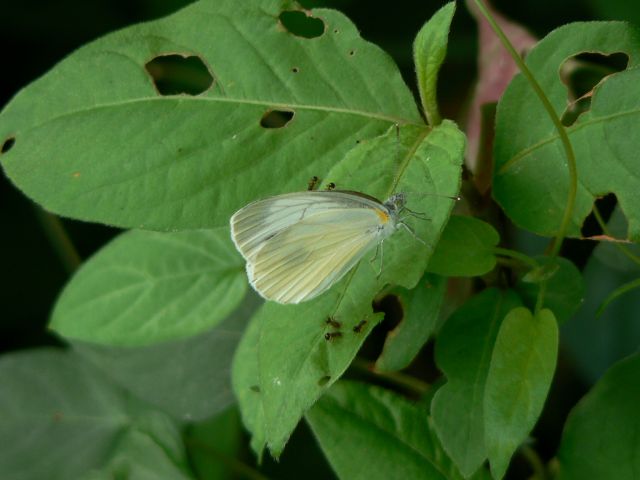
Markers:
<point>259,221</point>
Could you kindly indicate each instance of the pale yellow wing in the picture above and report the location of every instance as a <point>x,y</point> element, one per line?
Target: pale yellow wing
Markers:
<point>305,259</point>
<point>259,221</point>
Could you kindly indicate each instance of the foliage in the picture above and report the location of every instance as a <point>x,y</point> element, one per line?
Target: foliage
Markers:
<point>168,127</point>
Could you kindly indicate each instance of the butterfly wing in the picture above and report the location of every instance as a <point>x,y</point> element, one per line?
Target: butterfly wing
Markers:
<point>260,221</point>
<point>306,258</point>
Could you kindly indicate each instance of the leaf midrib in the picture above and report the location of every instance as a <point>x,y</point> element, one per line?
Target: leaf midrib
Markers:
<point>571,130</point>
<point>264,103</point>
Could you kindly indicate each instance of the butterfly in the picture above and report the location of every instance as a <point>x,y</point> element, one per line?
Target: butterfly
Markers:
<point>297,245</point>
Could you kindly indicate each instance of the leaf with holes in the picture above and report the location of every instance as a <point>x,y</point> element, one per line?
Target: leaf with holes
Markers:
<point>367,432</point>
<point>463,352</point>
<point>57,407</point>
<point>522,367</point>
<point>148,287</point>
<point>531,180</point>
<point>266,103</point>
<point>600,439</point>
<point>204,391</point>
<point>299,355</point>
<point>465,248</point>
<point>420,313</point>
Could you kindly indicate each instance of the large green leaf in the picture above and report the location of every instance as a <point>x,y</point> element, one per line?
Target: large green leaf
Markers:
<point>95,140</point>
<point>465,248</point>
<point>520,374</point>
<point>531,178</point>
<point>420,314</point>
<point>370,433</point>
<point>188,378</point>
<point>463,352</point>
<point>600,439</point>
<point>295,362</point>
<point>147,287</point>
<point>63,418</point>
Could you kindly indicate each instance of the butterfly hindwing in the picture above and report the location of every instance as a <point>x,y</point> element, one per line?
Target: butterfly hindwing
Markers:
<point>304,259</point>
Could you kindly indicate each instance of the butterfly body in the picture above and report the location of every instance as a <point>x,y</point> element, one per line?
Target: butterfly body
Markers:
<point>297,245</point>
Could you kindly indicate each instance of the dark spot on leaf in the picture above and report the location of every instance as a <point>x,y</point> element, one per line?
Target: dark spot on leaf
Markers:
<point>336,31</point>
<point>8,144</point>
<point>175,74</point>
<point>57,416</point>
<point>276,118</point>
<point>357,141</point>
<point>324,380</point>
<point>352,53</point>
<point>254,388</point>
<point>301,24</point>
<point>295,70</point>
<point>581,74</point>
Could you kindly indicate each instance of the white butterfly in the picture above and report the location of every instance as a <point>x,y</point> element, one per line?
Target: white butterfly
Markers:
<point>297,245</point>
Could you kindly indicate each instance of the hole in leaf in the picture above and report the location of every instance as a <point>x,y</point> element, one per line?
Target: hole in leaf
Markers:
<point>276,118</point>
<point>179,74</point>
<point>581,74</point>
<point>8,144</point>
<point>301,24</point>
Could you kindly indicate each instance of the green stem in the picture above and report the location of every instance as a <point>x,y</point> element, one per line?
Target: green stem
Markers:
<point>521,257</point>
<point>59,239</point>
<point>562,134</point>
<point>236,466</point>
<point>634,258</point>
<point>400,379</point>
<point>532,457</point>
<point>627,287</point>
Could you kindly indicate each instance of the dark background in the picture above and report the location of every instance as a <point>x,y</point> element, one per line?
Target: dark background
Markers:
<point>37,34</point>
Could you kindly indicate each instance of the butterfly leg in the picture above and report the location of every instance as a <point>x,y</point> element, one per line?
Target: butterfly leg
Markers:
<point>379,250</point>
<point>419,215</point>
<point>411,231</point>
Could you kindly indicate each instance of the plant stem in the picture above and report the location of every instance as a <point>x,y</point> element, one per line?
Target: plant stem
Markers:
<point>539,471</point>
<point>562,134</point>
<point>400,379</point>
<point>634,258</point>
<point>59,240</point>
<point>241,469</point>
<point>521,257</point>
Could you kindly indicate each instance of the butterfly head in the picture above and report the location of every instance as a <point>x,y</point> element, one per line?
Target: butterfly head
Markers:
<point>396,202</point>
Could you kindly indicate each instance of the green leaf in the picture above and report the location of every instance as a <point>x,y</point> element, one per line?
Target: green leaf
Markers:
<point>148,287</point>
<point>600,438</point>
<point>195,383</point>
<point>531,177</point>
<point>463,352</point>
<point>520,374</point>
<point>420,314</point>
<point>367,432</point>
<point>296,363</point>
<point>429,50</point>
<point>565,289</point>
<point>211,443</point>
<point>63,418</point>
<point>465,248</point>
<point>245,380</point>
<point>95,140</point>
<point>616,255</point>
